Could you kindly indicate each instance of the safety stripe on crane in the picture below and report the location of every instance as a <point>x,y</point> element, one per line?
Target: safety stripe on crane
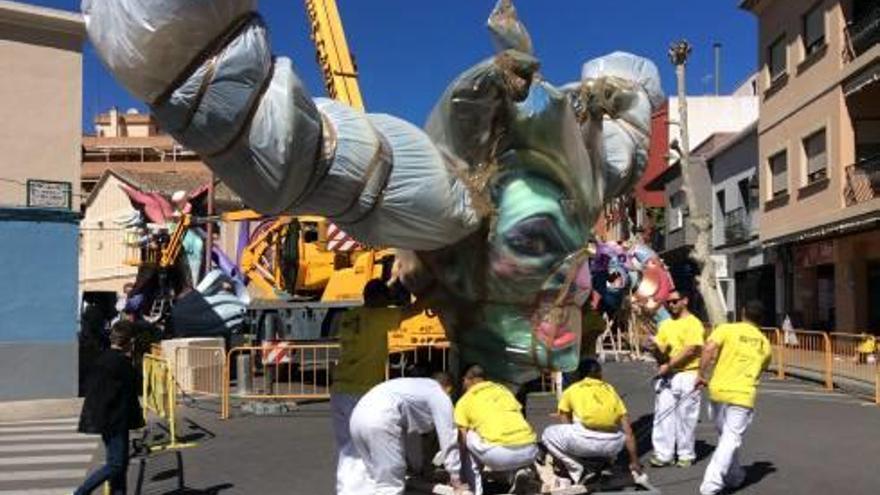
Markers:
<point>276,353</point>
<point>338,240</point>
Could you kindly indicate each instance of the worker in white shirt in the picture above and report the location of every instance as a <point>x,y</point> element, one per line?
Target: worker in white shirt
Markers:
<point>492,426</point>
<point>363,335</point>
<point>677,346</point>
<point>388,413</point>
<point>742,354</point>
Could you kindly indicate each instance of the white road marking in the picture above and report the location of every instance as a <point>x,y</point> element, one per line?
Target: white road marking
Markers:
<point>38,437</point>
<point>48,447</point>
<point>39,421</point>
<point>36,428</point>
<point>49,474</point>
<point>46,459</point>
<point>40,491</point>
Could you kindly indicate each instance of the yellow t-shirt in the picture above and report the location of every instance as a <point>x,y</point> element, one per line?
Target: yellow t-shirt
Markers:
<point>363,340</point>
<point>494,413</point>
<point>745,352</point>
<point>674,335</point>
<point>868,345</point>
<point>594,403</point>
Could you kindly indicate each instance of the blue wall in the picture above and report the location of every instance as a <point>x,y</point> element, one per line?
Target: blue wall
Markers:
<point>39,286</point>
<point>38,275</point>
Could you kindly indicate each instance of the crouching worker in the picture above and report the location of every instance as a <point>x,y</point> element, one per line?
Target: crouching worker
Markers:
<point>390,411</point>
<point>597,424</point>
<point>111,408</point>
<point>495,432</point>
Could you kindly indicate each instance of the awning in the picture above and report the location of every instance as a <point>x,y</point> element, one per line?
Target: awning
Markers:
<point>850,225</point>
<point>862,80</point>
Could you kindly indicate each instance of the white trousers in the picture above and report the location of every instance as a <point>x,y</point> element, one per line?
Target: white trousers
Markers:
<point>351,472</point>
<point>570,443</point>
<point>498,458</point>
<point>676,412</point>
<point>378,438</point>
<point>724,469</point>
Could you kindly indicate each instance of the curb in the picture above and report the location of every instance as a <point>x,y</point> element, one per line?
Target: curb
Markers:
<point>40,409</point>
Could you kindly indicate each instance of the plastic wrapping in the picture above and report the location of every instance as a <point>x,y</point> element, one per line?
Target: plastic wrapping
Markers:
<point>639,70</point>
<point>254,124</point>
<point>507,31</point>
<point>625,133</point>
<point>147,44</point>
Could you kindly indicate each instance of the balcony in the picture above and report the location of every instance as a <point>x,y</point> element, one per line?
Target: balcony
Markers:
<point>737,226</point>
<point>862,181</point>
<point>863,32</point>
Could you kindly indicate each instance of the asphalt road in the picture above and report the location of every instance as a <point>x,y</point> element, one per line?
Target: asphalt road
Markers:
<point>802,440</point>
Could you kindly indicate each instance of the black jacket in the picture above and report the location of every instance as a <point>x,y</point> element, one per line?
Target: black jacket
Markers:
<point>111,404</point>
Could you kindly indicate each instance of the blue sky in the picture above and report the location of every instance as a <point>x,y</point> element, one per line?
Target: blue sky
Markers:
<point>408,51</point>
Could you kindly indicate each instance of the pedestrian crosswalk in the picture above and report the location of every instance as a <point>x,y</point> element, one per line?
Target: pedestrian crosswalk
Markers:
<point>44,457</point>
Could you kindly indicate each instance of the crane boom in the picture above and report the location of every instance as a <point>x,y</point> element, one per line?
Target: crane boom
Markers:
<point>334,57</point>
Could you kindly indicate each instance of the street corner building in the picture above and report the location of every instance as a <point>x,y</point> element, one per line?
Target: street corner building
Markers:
<point>819,159</point>
<point>40,141</point>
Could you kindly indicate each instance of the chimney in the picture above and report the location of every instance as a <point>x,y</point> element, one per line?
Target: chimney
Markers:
<point>717,47</point>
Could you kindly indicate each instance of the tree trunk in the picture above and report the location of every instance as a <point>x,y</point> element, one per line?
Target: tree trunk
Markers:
<point>699,219</point>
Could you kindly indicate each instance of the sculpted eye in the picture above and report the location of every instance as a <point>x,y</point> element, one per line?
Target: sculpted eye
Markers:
<point>536,236</point>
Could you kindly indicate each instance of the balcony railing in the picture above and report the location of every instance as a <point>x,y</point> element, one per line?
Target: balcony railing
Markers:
<point>863,181</point>
<point>862,33</point>
<point>737,226</point>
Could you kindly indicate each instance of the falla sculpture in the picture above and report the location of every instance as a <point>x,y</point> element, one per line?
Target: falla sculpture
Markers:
<point>491,207</point>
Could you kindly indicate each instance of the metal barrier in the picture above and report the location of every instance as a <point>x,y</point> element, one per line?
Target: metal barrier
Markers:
<point>160,397</point>
<point>834,357</point>
<point>199,370</point>
<point>296,372</point>
<point>807,351</point>
<point>847,361</point>
<point>417,354</point>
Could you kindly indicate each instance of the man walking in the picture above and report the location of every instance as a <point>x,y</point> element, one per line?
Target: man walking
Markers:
<point>383,418</point>
<point>678,344</point>
<point>492,426</point>
<point>743,353</point>
<point>597,424</point>
<point>111,409</point>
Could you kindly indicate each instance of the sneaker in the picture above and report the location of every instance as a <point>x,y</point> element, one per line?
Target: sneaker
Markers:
<point>523,482</point>
<point>659,463</point>
<point>684,463</point>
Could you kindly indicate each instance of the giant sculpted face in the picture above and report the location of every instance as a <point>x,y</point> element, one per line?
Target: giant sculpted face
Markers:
<point>491,206</point>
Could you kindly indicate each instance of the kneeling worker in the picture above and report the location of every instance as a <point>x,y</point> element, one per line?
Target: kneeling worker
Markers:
<point>598,425</point>
<point>492,426</point>
<point>387,413</point>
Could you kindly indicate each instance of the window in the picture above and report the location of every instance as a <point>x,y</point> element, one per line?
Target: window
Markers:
<point>779,172</point>
<point>676,211</point>
<point>745,197</point>
<point>817,158</point>
<point>720,200</point>
<point>814,30</point>
<point>776,58</point>
<point>867,139</point>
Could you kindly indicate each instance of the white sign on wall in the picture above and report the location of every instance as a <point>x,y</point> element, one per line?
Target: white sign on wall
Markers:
<point>720,261</point>
<point>49,194</point>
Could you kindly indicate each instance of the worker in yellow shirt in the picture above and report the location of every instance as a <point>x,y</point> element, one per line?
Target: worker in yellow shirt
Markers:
<point>677,346</point>
<point>363,339</point>
<point>494,431</point>
<point>597,424</point>
<point>742,354</point>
